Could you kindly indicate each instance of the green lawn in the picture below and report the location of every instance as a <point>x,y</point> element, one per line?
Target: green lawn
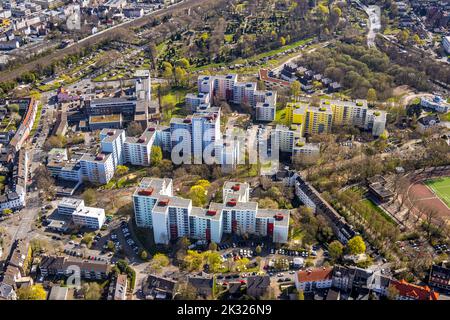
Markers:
<point>441,187</point>
<point>372,205</point>
<point>36,120</point>
<point>446,117</point>
<point>280,116</point>
<point>253,58</point>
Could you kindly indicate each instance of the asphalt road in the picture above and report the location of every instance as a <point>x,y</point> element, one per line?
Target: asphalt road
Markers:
<point>20,224</point>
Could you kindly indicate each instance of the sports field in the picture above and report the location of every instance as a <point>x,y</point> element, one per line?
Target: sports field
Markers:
<point>441,187</point>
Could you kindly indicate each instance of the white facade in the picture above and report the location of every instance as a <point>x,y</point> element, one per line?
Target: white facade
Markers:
<point>237,190</point>
<point>172,217</point>
<point>375,121</point>
<point>89,217</point>
<point>446,44</point>
<point>194,101</point>
<point>138,150</point>
<point>265,112</point>
<point>97,169</point>
<point>196,136</point>
<point>437,104</point>
<point>111,141</point>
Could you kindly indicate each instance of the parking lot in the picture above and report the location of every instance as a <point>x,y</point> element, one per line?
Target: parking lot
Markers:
<point>280,264</point>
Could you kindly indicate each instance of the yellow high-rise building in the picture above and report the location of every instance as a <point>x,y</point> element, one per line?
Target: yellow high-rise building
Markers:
<point>347,112</point>
<point>318,120</point>
<point>311,120</point>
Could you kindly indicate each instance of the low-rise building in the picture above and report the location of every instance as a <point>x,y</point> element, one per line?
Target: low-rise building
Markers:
<point>313,199</point>
<point>437,104</point>
<point>311,279</point>
<point>58,293</point>
<point>88,217</point>
<point>120,291</point>
<point>428,123</point>
<point>159,288</point>
<point>440,277</point>
<point>257,286</point>
<point>203,284</point>
<point>409,291</point>
<point>58,266</point>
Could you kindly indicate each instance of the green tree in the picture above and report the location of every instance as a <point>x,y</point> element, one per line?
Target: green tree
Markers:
<point>267,203</point>
<point>158,262</point>
<point>88,239</point>
<point>417,39</point>
<point>204,183</point>
<point>403,36</point>
<point>90,196</point>
<point>144,255</point>
<point>35,292</point>
<point>92,291</point>
<point>183,63</point>
<point>213,246</point>
<point>296,89</point>
<point>167,70</point>
<point>180,76</point>
<point>110,245</point>
<point>55,142</point>
<point>371,95</point>
<point>198,195</point>
<point>156,156</point>
<point>13,107</point>
<point>122,170</point>
<point>335,250</point>
<point>356,245</point>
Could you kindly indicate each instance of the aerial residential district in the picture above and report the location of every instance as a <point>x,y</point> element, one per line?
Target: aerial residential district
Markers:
<point>224,150</point>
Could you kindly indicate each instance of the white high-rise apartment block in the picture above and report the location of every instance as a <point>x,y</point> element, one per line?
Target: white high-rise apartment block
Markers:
<point>237,190</point>
<point>111,141</point>
<point>138,150</point>
<point>98,169</point>
<point>198,101</point>
<point>228,153</point>
<point>265,112</point>
<point>172,217</point>
<point>143,85</point>
<point>226,87</point>
<point>196,135</point>
<point>376,122</point>
<point>145,197</point>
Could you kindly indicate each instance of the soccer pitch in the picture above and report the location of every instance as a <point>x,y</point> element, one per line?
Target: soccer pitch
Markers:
<point>441,187</point>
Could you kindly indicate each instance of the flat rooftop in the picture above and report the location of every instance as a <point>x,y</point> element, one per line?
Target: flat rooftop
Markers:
<point>106,118</point>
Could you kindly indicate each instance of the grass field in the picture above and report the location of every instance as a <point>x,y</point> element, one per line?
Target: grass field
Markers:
<point>380,211</point>
<point>441,187</point>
